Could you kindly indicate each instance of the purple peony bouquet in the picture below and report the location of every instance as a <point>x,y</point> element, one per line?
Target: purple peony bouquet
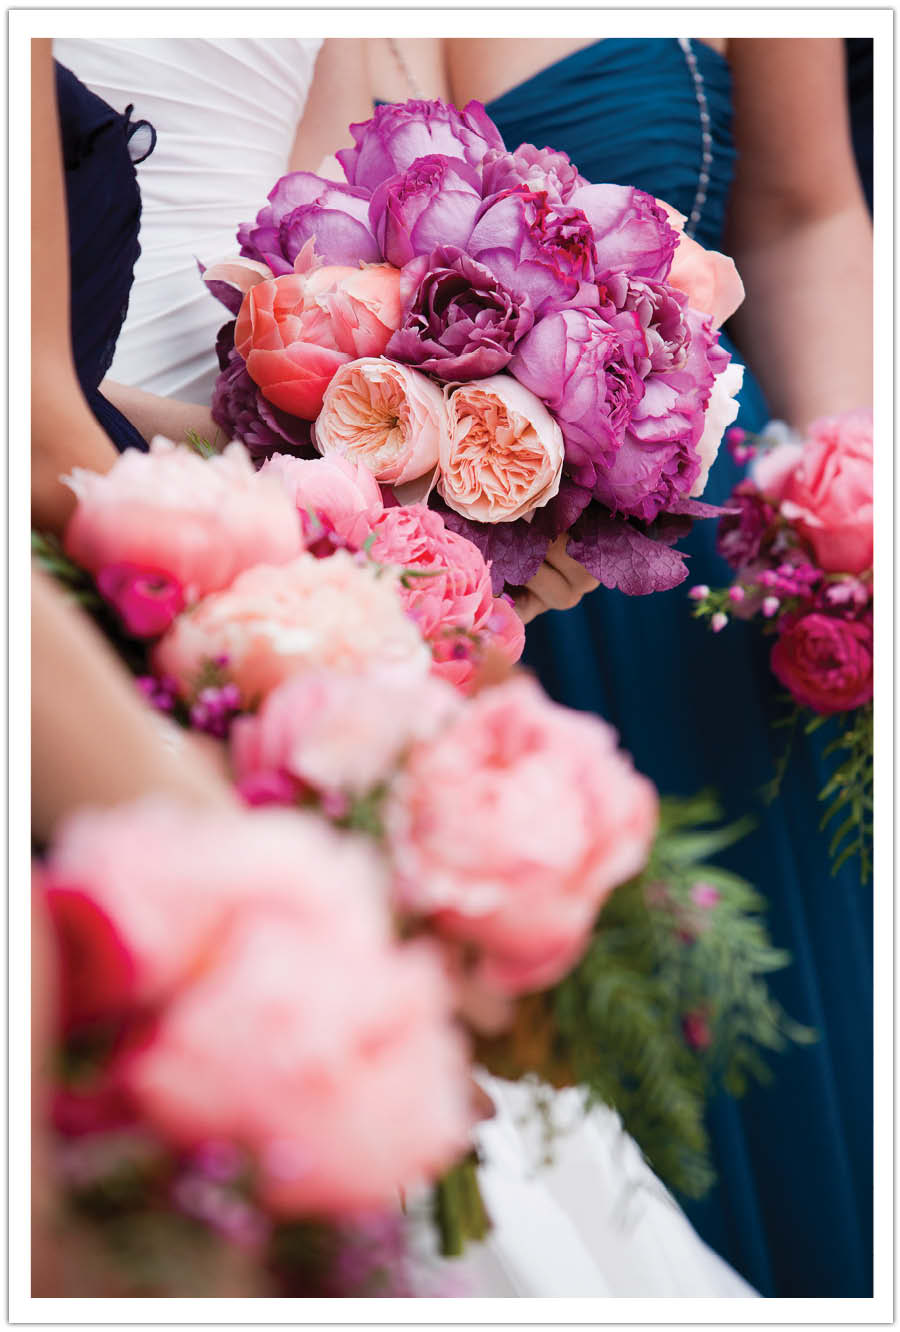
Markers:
<point>534,354</point>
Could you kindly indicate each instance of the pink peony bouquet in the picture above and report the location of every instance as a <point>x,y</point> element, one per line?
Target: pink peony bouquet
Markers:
<point>235,578</point>
<point>205,1016</point>
<point>485,329</point>
<point>800,539</point>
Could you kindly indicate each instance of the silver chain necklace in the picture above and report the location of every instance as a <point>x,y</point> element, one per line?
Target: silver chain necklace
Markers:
<point>411,81</point>
<point>706,157</point>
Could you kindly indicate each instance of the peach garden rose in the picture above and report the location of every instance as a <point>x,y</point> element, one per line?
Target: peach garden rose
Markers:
<point>503,455</point>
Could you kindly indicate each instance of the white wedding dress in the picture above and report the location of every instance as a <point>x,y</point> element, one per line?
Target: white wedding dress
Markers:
<point>597,1221</point>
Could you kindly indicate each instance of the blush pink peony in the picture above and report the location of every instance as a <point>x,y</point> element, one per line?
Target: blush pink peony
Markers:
<point>274,621</point>
<point>503,453</point>
<point>331,1057</point>
<point>512,827</point>
<point>829,494</point>
<point>384,415</point>
<point>339,733</point>
<point>333,495</point>
<point>196,522</point>
<point>296,330</point>
<point>708,279</point>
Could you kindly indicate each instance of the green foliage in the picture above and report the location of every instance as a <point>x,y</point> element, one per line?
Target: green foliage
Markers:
<point>459,1211</point>
<point>671,1002</point>
<point>201,445</point>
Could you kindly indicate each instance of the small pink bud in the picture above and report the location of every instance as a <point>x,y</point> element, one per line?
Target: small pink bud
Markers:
<point>699,592</point>
<point>770,607</point>
<point>767,578</point>
<point>705,894</point>
<point>718,622</point>
<point>736,435</point>
<point>736,594</point>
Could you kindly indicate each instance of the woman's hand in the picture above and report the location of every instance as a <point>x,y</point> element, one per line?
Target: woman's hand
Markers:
<point>559,584</point>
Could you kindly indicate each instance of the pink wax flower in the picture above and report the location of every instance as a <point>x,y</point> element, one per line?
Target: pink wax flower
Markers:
<point>139,894</point>
<point>275,621</point>
<point>502,456</point>
<point>194,521</point>
<point>829,494</point>
<point>344,733</point>
<point>705,895</point>
<point>708,279</point>
<point>825,662</point>
<point>510,829</point>
<point>146,601</point>
<point>339,495</point>
<point>295,331</point>
<point>384,415</point>
<point>357,1090</point>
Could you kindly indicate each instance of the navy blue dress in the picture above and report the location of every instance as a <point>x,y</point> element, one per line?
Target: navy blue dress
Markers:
<point>100,148</point>
<point>793,1208</point>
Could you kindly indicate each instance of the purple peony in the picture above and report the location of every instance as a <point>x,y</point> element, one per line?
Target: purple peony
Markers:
<point>304,206</point>
<point>661,310</point>
<point>461,323</point>
<point>398,133</point>
<point>631,231</point>
<point>536,248</point>
<point>658,462</point>
<point>434,202</point>
<point>535,168</point>
<point>588,372</point>
<point>242,412</point>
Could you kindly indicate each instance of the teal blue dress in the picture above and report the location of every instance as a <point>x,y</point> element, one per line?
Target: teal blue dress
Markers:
<point>793,1207</point>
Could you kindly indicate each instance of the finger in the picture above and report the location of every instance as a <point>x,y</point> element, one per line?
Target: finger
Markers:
<point>527,605</point>
<point>555,591</point>
<point>570,569</point>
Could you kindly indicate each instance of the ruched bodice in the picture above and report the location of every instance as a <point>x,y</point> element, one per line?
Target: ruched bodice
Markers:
<point>103,202</point>
<point>793,1211</point>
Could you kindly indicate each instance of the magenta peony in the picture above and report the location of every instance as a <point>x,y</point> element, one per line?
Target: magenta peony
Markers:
<point>511,828</point>
<point>825,662</point>
<point>302,207</point>
<point>433,202</point>
<point>400,132</point>
<point>182,519</point>
<point>631,232</point>
<point>539,169</point>
<point>275,621</point>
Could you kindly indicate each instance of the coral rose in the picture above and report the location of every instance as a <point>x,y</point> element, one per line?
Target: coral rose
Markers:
<point>708,279</point>
<point>178,517</point>
<point>512,827</point>
<point>295,331</point>
<point>503,454</point>
<point>825,662</point>
<point>829,493</point>
<point>272,622</point>
<point>331,494</point>
<point>384,415</point>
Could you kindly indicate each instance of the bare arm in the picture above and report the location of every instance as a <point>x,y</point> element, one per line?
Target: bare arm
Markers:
<point>799,229</point>
<point>340,95</point>
<point>94,740</point>
<point>151,415</point>
<point>64,433</point>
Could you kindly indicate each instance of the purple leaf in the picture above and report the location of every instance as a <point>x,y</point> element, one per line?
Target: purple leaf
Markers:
<point>620,556</point>
<point>515,551</point>
<point>692,508</point>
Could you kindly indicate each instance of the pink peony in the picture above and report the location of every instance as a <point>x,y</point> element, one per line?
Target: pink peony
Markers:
<point>139,894</point>
<point>333,495</point>
<point>296,330</point>
<point>708,279</point>
<point>335,732</point>
<point>273,622</point>
<point>829,493</point>
<point>503,455</point>
<point>384,415</point>
<point>343,1092</point>
<point>825,662</point>
<point>512,827</point>
<point>180,518</point>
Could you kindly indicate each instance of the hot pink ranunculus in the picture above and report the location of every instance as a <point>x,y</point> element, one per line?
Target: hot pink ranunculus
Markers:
<point>334,495</point>
<point>826,662</point>
<point>511,828</point>
<point>275,621</point>
<point>384,415</point>
<point>503,455</point>
<point>708,279</point>
<point>330,1056</point>
<point>296,330</point>
<point>147,601</point>
<point>829,493</point>
<point>340,733</point>
<point>195,521</point>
